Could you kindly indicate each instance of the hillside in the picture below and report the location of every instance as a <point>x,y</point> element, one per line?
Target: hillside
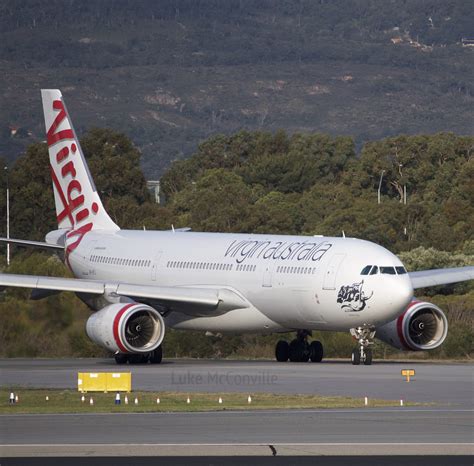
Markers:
<point>172,73</point>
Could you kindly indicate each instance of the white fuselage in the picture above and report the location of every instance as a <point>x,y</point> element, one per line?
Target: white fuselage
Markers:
<point>289,282</point>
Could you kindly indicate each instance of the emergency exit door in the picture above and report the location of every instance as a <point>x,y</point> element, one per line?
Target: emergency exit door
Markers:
<point>155,264</point>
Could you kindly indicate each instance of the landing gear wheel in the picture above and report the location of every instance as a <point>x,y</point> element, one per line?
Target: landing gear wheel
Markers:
<point>294,351</point>
<point>368,357</point>
<point>304,356</point>
<point>355,357</point>
<point>137,358</point>
<point>156,356</point>
<point>282,351</point>
<point>121,358</point>
<point>316,351</point>
<point>299,351</point>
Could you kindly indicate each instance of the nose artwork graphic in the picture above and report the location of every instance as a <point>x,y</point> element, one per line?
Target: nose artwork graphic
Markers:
<point>352,297</point>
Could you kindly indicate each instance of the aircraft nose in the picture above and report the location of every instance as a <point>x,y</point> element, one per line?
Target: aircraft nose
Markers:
<point>401,293</point>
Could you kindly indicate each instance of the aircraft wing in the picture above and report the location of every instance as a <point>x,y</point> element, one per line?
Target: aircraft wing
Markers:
<point>195,301</point>
<point>435,277</point>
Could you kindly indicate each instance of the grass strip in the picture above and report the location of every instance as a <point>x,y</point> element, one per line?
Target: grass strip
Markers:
<point>33,401</point>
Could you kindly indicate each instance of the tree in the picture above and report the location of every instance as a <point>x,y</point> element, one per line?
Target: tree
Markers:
<point>218,201</point>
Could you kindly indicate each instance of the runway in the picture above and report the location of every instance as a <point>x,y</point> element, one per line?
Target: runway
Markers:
<point>444,384</point>
<point>372,431</point>
<point>443,428</point>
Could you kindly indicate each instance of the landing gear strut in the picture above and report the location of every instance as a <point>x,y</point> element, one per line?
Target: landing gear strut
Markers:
<point>299,349</point>
<point>364,336</point>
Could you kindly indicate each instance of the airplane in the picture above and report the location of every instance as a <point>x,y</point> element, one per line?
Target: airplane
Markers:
<point>138,283</point>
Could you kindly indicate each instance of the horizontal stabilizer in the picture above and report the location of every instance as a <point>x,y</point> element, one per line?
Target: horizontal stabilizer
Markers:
<point>32,244</point>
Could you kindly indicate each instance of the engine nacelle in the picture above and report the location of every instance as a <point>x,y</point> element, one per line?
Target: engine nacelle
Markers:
<point>127,328</point>
<point>423,326</point>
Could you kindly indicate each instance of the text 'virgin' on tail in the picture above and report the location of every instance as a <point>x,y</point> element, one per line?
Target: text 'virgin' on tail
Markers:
<point>78,205</point>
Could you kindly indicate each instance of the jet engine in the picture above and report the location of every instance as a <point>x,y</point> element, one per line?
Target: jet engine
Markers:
<point>423,326</point>
<point>126,328</point>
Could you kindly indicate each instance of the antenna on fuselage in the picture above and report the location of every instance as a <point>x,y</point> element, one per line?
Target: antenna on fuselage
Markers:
<point>172,228</point>
<point>343,234</point>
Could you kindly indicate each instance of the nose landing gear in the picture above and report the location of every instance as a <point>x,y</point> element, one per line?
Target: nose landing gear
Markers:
<point>363,353</point>
<point>299,349</point>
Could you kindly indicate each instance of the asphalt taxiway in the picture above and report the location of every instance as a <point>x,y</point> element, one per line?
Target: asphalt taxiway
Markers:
<point>446,427</point>
<point>445,384</point>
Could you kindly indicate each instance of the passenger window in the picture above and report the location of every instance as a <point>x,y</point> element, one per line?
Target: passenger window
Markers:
<point>366,270</point>
<point>374,271</point>
<point>387,270</point>
<point>401,270</point>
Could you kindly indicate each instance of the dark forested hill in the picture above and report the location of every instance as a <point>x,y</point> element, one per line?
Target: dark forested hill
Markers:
<point>170,73</point>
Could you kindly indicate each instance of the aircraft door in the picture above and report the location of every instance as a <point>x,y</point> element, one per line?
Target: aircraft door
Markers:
<point>267,277</point>
<point>155,263</point>
<point>89,265</point>
<point>329,282</point>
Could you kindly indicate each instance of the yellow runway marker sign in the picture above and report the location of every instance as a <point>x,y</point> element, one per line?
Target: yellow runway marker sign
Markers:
<point>407,373</point>
<point>104,382</point>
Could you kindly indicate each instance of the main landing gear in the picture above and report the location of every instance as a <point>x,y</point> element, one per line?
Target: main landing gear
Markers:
<point>153,357</point>
<point>363,353</point>
<point>299,349</point>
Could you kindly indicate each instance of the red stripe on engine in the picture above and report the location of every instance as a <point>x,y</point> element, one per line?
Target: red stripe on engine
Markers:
<point>116,327</point>
<point>400,331</point>
<point>400,319</point>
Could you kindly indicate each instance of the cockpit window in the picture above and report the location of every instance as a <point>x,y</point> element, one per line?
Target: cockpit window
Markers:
<point>374,271</point>
<point>387,270</point>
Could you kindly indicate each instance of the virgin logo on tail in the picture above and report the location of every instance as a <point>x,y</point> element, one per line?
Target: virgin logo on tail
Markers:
<point>63,149</point>
<point>72,200</point>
